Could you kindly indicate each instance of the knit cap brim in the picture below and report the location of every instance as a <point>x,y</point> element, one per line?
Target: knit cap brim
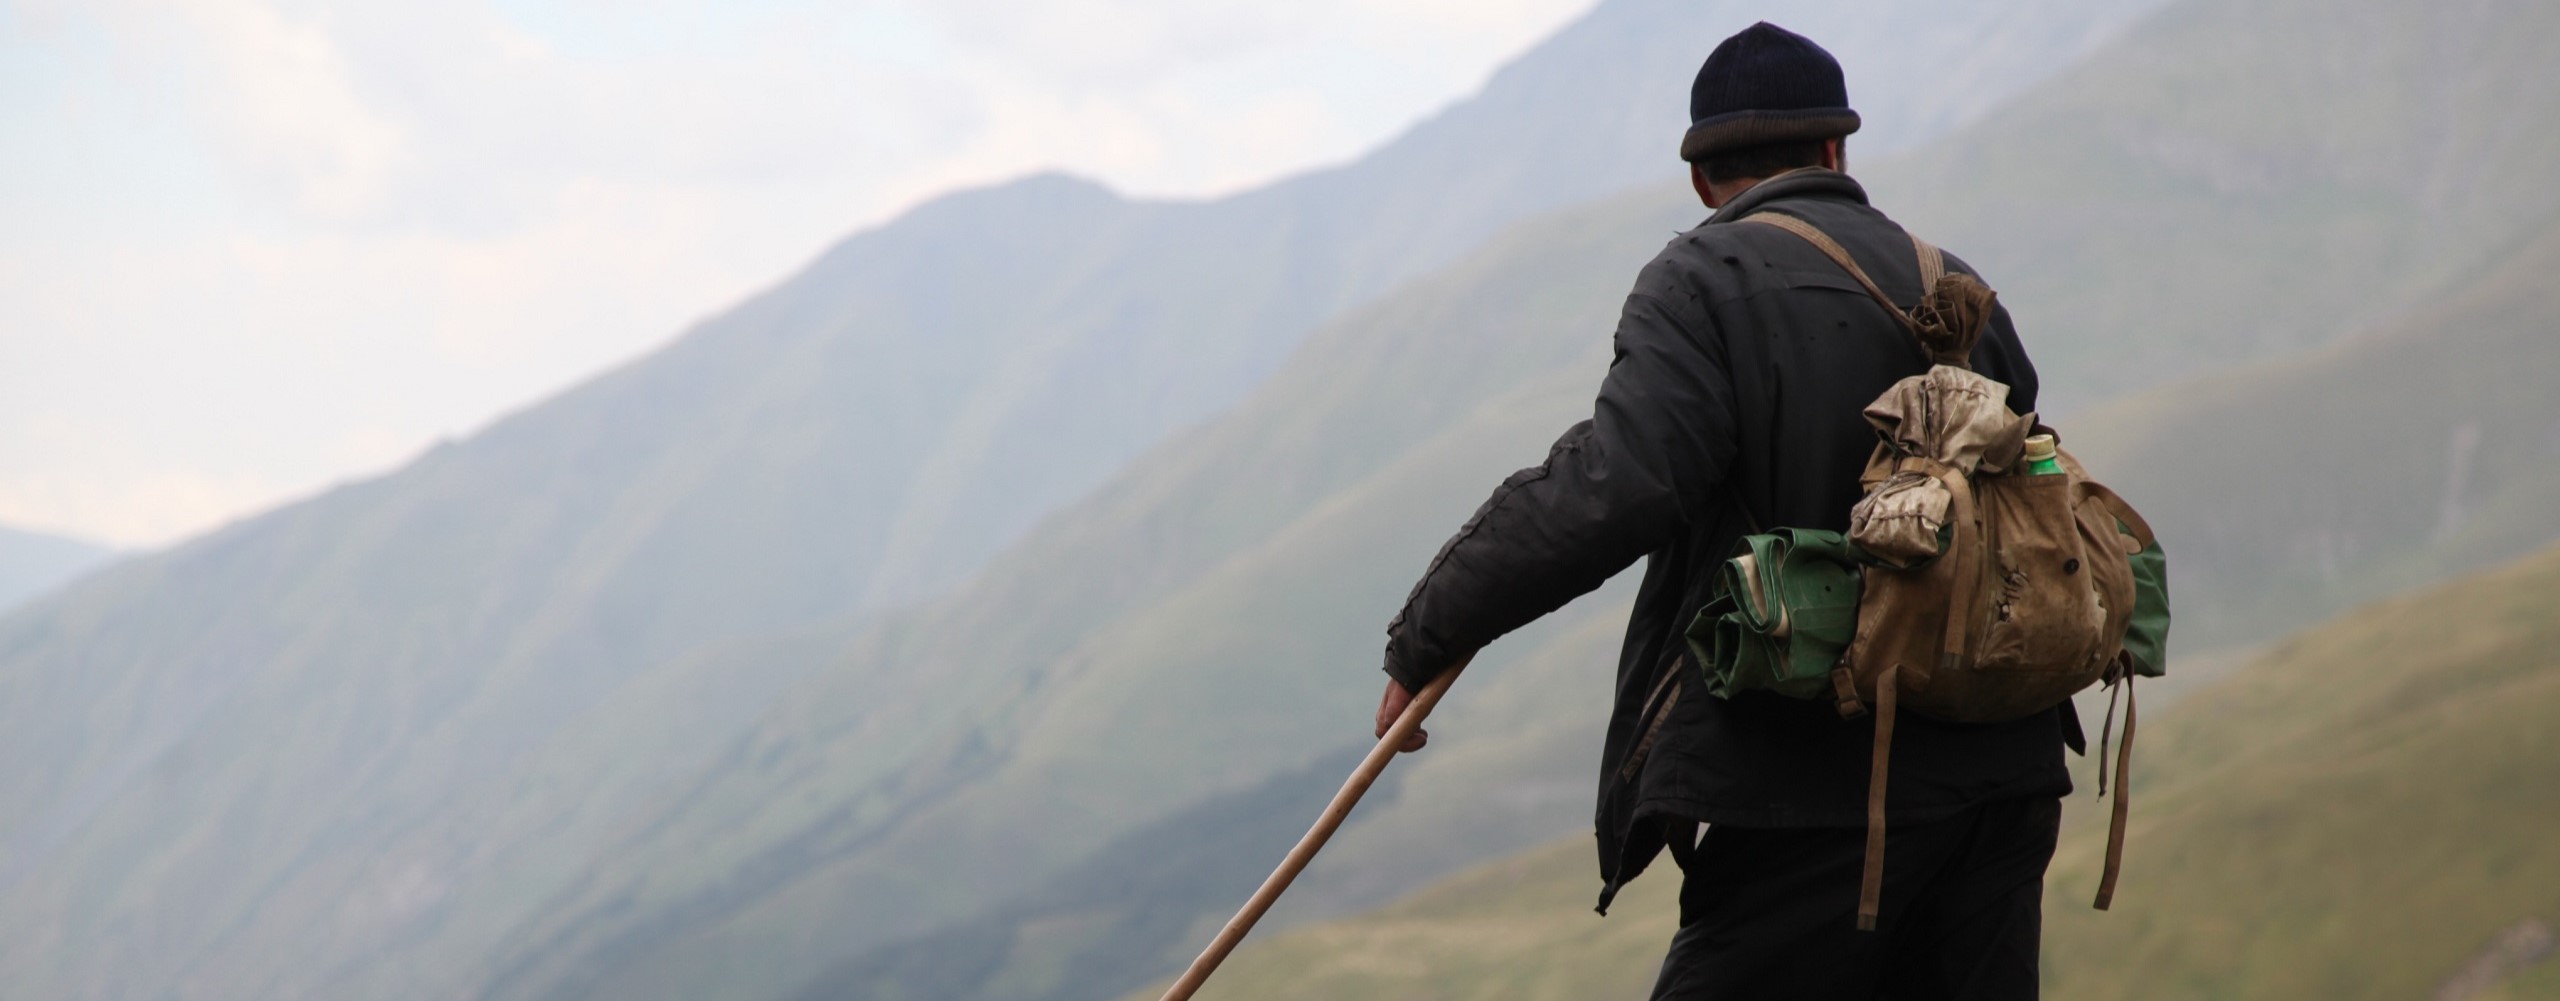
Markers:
<point>1744,129</point>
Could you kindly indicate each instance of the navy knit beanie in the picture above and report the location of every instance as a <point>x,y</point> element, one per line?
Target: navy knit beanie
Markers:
<point>1765,85</point>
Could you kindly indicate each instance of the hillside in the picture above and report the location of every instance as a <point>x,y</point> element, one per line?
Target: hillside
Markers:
<point>2294,529</point>
<point>1079,744</point>
<point>32,563</point>
<point>527,712</point>
<point>2419,450</point>
<point>2355,815</point>
<point>2352,816</point>
<point>1181,609</point>
<point>1222,598</point>
<point>2236,180</point>
<point>2484,356</point>
<point>638,694</point>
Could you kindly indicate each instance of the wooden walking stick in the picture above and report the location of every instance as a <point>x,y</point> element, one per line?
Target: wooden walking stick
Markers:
<point>1305,852</point>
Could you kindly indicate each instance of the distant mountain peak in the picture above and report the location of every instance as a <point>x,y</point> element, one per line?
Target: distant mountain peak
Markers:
<point>32,563</point>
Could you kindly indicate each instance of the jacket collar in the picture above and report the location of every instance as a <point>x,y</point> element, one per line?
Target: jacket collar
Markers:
<point>1803,182</point>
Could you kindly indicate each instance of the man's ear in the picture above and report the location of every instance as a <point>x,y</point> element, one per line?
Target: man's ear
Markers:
<point>1706,192</point>
<point>1835,155</point>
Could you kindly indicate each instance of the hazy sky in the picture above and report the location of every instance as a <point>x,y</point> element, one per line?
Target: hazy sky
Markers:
<point>255,247</point>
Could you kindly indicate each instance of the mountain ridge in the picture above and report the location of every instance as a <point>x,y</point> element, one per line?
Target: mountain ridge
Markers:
<point>32,563</point>
<point>277,757</point>
<point>1099,656</point>
<point>1388,826</point>
<point>2344,186</point>
<point>2450,398</point>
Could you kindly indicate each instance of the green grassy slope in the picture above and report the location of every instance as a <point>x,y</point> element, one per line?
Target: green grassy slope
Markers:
<point>1516,929</point>
<point>2354,815</point>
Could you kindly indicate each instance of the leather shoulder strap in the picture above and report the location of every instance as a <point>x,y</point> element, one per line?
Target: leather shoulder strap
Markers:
<point>1933,262</point>
<point>2133,521</point>
<point>1840,255</point>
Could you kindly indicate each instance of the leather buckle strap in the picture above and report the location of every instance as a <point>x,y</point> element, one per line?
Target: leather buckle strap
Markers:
<point>1965,574</point>
<point>1933,274</point>
<point>2116,822</point>
<point>2124,512</point>
<point>1839,255</point>
<point>1933,263</point>
<point>1844,684</point>
<point>1871,883</point>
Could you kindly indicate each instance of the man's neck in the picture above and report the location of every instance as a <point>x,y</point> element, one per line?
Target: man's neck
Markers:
<point>1724,192</point>
<point>1808,183</point>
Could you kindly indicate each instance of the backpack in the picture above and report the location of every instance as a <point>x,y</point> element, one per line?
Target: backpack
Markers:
<point>1984,593</point>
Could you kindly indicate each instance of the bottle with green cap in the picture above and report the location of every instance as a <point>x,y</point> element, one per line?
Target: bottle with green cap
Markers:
<point>2042,459</point>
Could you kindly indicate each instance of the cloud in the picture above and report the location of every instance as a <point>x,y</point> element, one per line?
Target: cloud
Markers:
<point>273,96</point>
<point>247,232</point>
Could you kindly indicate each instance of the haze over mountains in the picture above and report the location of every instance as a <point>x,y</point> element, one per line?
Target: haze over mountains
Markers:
<point>34,562</point>
<point>2425,447</point>
<point>373,742</point>
<point>2342,162</point>
<point>1486,796</point>
<point>681,685</point>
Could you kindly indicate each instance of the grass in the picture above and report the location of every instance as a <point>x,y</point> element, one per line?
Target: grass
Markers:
<point>2353,815</point>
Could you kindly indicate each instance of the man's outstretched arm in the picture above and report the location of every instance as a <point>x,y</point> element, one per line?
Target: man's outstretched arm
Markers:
<point>1613,489</point>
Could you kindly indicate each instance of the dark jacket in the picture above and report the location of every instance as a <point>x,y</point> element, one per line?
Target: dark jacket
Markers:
<point>1744,361</point>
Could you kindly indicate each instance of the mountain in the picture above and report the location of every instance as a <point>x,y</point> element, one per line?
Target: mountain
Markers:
<point>2317,424</point>
<point>482,726</point>
<point>1148,648</point>
<point>32,563</point>
<point>2421,449</point>
<point>630,695</point>
<point>2358,814</point>
<point>1193,597</point>
<point>2354,815</point>
<point>2261,477</point>
<point>2236,180</point>
<point>680,684</point>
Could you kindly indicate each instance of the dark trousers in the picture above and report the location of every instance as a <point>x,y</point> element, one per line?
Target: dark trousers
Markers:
<point>1771,913</point>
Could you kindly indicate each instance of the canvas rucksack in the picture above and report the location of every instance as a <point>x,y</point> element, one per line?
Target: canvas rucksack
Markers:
<point>1984,593</point>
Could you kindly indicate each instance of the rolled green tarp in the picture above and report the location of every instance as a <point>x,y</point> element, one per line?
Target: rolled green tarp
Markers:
<point>2146,638</point>
<point>1783,611</point>
<point>1786,605</point>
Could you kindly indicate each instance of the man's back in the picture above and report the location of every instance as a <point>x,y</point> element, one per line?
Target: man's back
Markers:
<point>1745,359</point>
<point>1806,350</point>
<point>1745,362</point>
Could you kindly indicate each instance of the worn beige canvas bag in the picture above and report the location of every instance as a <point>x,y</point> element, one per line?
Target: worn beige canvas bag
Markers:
<point>1994,595</point>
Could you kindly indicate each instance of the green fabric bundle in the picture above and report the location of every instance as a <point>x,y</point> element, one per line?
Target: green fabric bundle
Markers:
<point>2147,636</point>
<point>1785,607</point>
<point>1783,612</point>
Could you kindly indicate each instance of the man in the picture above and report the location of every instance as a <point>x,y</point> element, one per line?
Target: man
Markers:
<point>1744,360</point>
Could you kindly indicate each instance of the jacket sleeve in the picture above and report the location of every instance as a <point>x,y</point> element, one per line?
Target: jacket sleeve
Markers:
<point>1614,488</point>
